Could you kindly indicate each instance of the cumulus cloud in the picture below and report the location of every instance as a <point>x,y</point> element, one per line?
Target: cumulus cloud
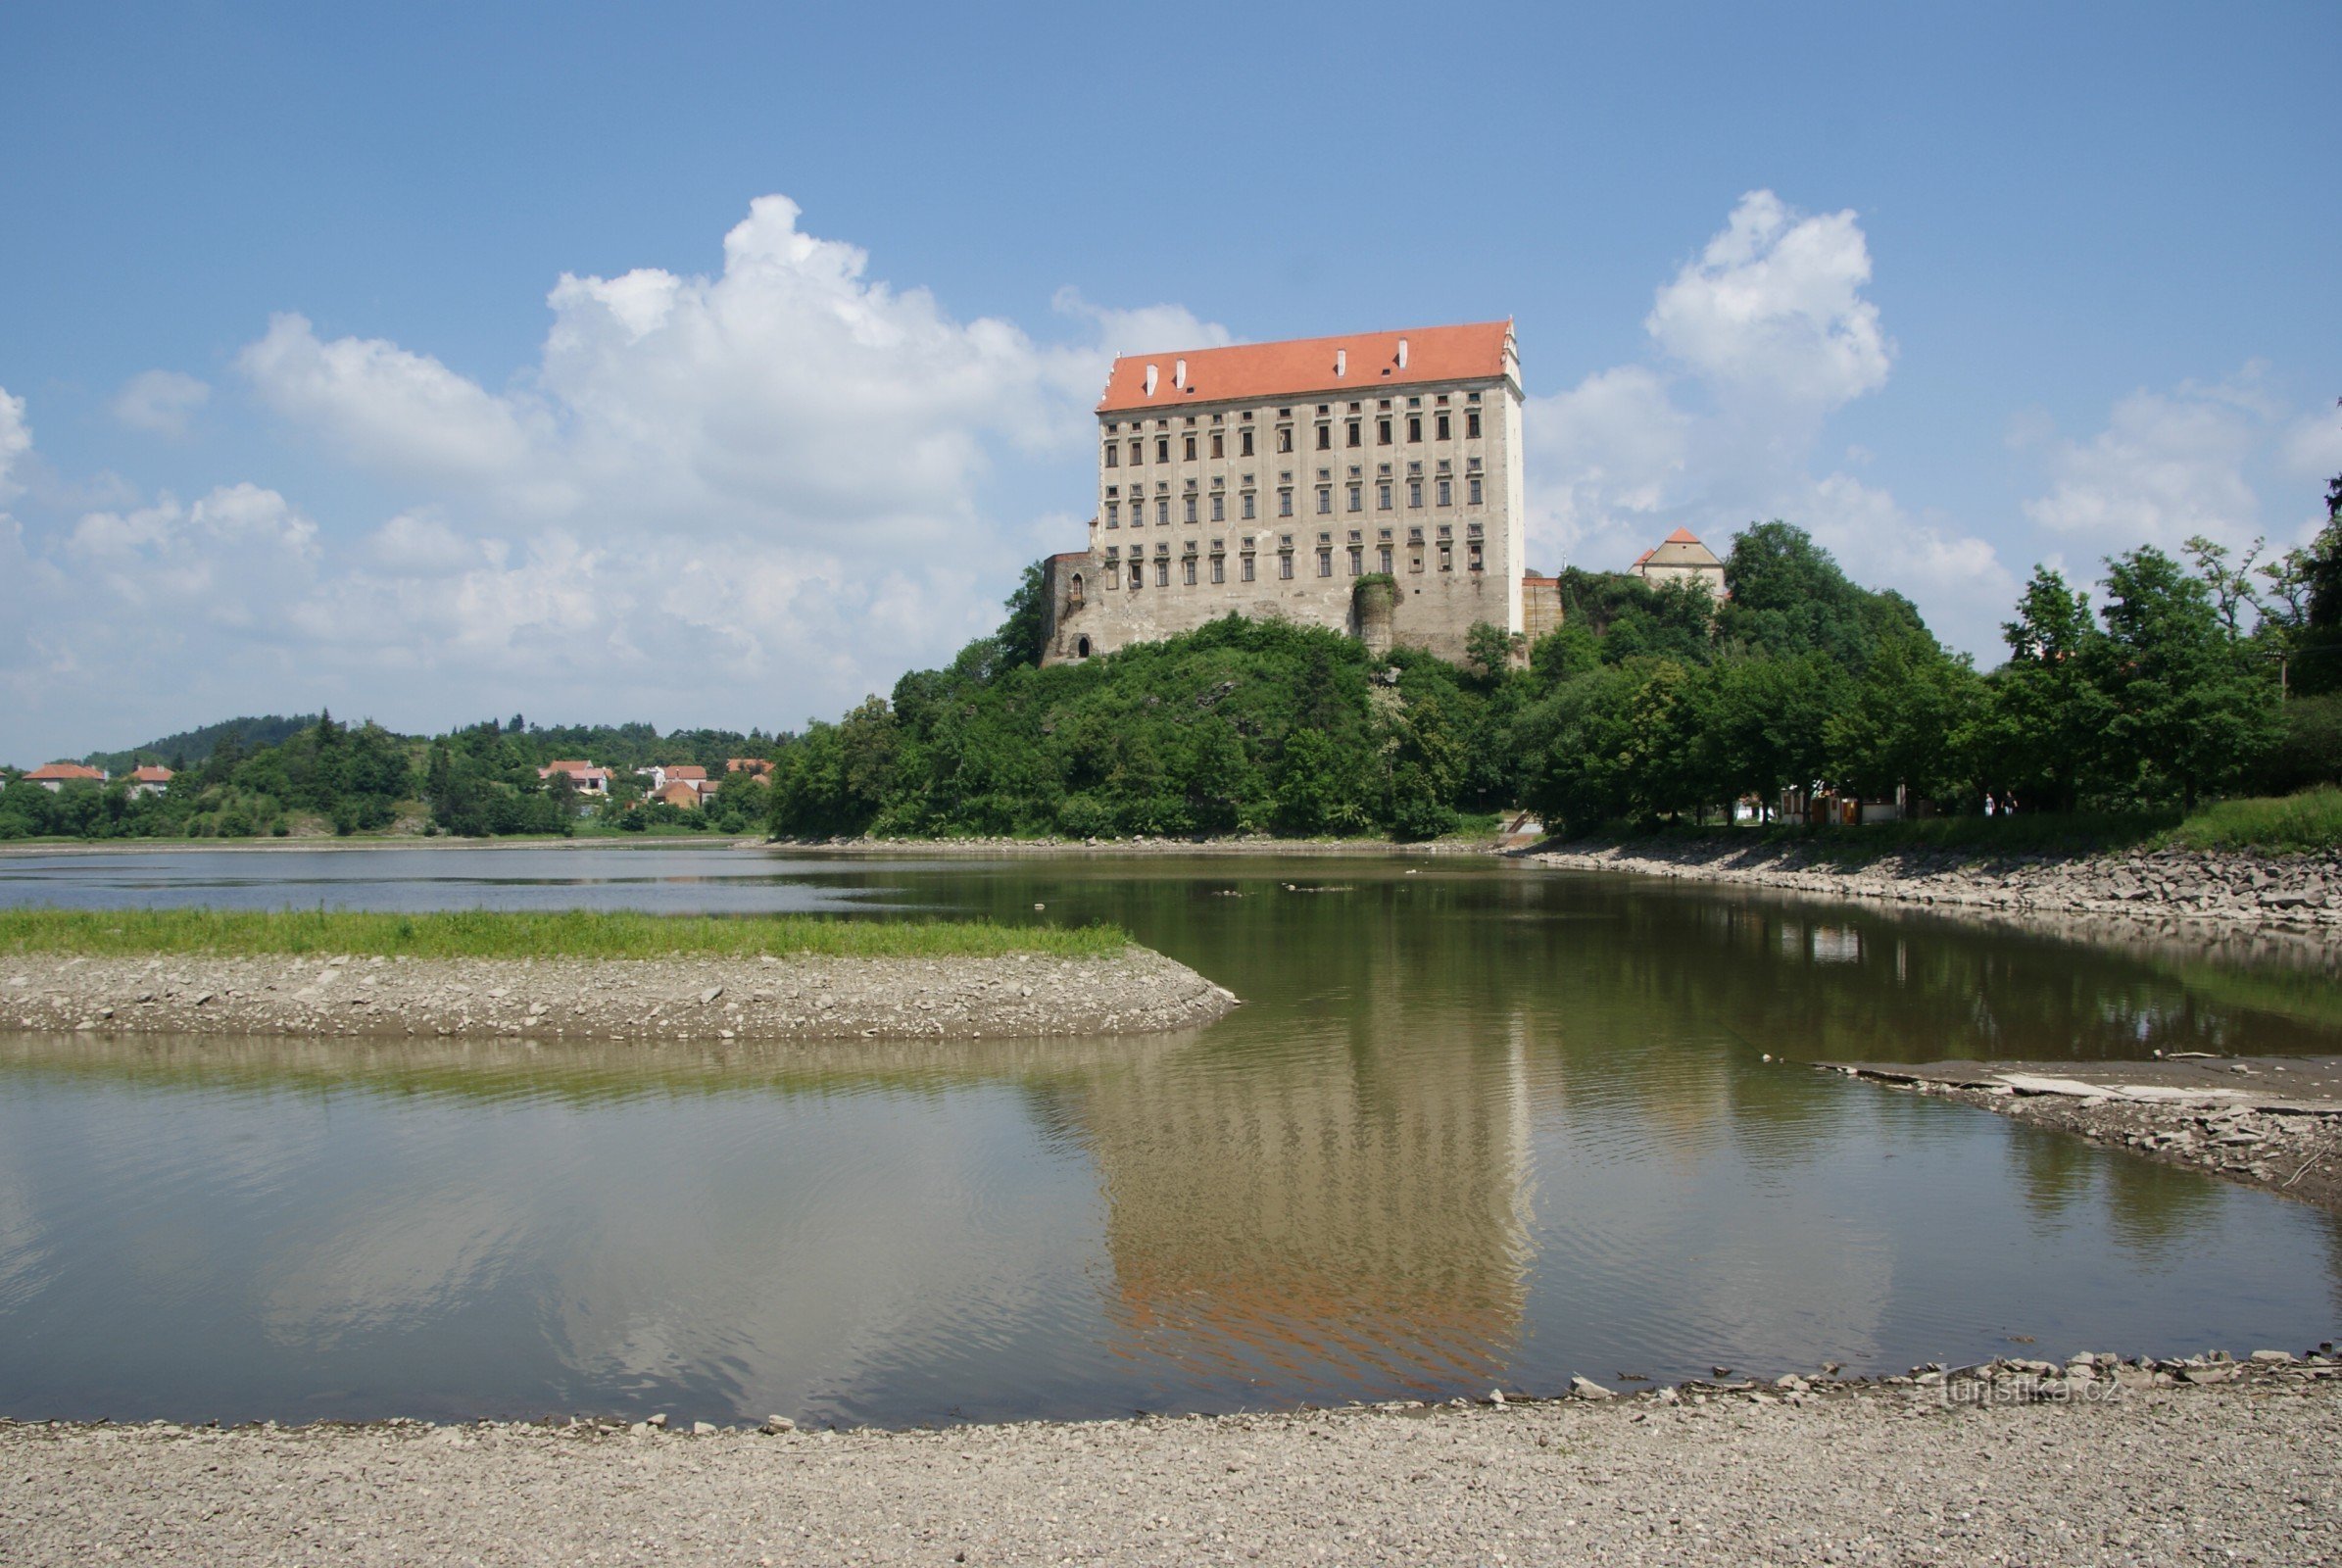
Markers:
<point>16,439</point>
<point>1773,308</point>
<point>2169,466</point>
<point>161,402</point>
<point>1753,344</point>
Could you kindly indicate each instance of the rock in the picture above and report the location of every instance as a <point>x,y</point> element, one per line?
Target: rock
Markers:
<point>776,1425</point>
<point>2273,1357</point>
<point>1495,1395</point>
<point>702,1429</point>
<point>709,995</point>
<point>1588,1389</point>
<point>659,1421</point>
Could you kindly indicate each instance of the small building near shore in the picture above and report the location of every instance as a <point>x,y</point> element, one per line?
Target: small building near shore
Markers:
<point>584,777</point>
<point>152,779</point>
<point>1681,558</point>
<point>56,776</point>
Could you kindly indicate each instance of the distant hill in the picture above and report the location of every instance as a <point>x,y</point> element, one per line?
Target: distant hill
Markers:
<point>195,744</point>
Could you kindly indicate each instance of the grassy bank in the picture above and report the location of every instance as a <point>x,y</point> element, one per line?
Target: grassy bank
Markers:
<point>498,934</point>
<point>2291,824</point>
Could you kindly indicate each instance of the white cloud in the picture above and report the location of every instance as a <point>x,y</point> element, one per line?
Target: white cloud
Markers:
<point>161,402</point>
<point>1772,310</point>
<point>2172,464</point>
<point>16,439</point>
<point>1755,343</point>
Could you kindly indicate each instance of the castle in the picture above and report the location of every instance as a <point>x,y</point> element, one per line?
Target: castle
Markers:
<point>1368,483</point>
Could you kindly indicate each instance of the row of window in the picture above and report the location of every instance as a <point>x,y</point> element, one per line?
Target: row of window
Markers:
<point>1443,490</point>
<point>1385,554</point>
<point>1354,435</point>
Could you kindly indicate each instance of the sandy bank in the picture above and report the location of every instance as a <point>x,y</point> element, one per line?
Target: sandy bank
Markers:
<point>2289,891</point>
<point>2269,1122</point>
<point>1022,994</point>
<point>2115,1468</point>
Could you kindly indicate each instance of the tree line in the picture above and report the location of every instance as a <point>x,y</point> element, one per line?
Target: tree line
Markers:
<point>2177,680</point>
<point>320,775</point>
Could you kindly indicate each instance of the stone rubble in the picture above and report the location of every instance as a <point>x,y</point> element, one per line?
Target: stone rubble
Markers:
<point>2303,891</point>
<point>1015,995</point>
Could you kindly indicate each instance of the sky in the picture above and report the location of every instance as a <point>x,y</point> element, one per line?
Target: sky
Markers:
<point>715,364</point>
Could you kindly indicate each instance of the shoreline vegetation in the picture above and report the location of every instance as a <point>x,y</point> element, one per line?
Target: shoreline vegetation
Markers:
<point>566,934</point>
<point>583,975</point>
<point>1948,1465</point>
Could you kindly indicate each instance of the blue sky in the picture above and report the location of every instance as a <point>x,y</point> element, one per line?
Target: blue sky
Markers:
<point>296,406</point>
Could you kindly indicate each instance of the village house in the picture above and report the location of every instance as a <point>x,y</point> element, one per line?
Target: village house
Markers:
<point>584,777</point>
<point>56,776</point>
<point>682,793</point>
<point>753,766</point>
<point>152,779</point>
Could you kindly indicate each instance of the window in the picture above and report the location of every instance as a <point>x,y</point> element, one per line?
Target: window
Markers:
<point>1162,573</point>
<point>1247,573</point>
<point>1414,491</point>
<point>1357,560</point>
<point>1414,427</point>
<point>1113,514</point>
<point>1285,502</point>
<point>1415,559</point>
<point>1385,552</point>
<point>1188,570</point>
<point>1382,432</point>
<point>1285,438</point>
<point>1446,492</point>
<point>1325,437</point>
<point>1138,452</point>
<point>1324,563</point>
<point>1138,574</point>
<point>1162,510</point>
<point>1357,429</point>
<point>1439,425</point>
<point>1219,569</point>
<point>1472,490</point>
<point>1447,555</point>
<point>1247,505</point>
<point>1472,424</point>
<point>1284,565</point>
<point>1188,452</point>
<point>1113,454</point>
<point>1357,498</point>
<point>1325,499</point>
<point>1219,506</point>
<point>1474,548</point>
<point>1187,514</point>
<point>1381,495</point>
<point>1162,448</point>
<point>1073,593</point>
<point>1219,442</point>
<point>1244,444</point>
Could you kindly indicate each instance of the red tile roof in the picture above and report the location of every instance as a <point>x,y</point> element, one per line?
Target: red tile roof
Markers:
<point>1683,536</point>
<point>1368,363</point>
<point>64,770</point>
<point>152,774</point>
<point>686,772</point>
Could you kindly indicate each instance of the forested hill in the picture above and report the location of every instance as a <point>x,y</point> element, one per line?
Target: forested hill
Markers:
<point>1647,704</point>
<point>191,746</point>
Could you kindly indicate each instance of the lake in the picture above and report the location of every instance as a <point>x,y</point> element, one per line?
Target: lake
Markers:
<point>1477,1125</point>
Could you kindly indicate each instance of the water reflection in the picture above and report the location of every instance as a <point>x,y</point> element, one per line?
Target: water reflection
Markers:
<point>1472,1127</point>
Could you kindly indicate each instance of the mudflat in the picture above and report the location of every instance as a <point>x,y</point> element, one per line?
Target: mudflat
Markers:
<point>2242,1469</point>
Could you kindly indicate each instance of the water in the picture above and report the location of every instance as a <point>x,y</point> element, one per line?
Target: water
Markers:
<point>1477,1125</point>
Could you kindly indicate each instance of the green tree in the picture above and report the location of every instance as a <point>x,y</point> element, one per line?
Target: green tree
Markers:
<point>1023,636</point>
<point>2041,734</point>
<point>2190,714</point>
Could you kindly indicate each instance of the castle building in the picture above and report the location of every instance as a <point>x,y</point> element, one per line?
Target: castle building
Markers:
<point>1682,557</point>
<point>1270,478</point>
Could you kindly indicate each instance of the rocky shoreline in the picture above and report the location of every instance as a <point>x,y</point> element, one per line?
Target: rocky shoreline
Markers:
<point>1261,846</point>
<point>1012,995</point>
<point>2272,1124</point>
<point>2282,891</point>
<point>2089,1460</point>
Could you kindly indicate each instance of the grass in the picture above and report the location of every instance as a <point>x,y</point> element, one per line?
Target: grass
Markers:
<point>2285,824</point>
<point>2290,824</point>
<point>499,934</point>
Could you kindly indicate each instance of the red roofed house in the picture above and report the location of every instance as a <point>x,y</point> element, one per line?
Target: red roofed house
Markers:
<point>1267,478</point>
<point>1681,558</point>
<point>56,776</point>
<point>152,779</point>
<point>753,766</point>
<point>584,777</point>
<point>683,793</point>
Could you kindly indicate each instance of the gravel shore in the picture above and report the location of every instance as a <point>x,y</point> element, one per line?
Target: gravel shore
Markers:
<point>2298,891</point>
<point>1019,995</point>
<point>2275,1124</point>
<point>2081,1463</point>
